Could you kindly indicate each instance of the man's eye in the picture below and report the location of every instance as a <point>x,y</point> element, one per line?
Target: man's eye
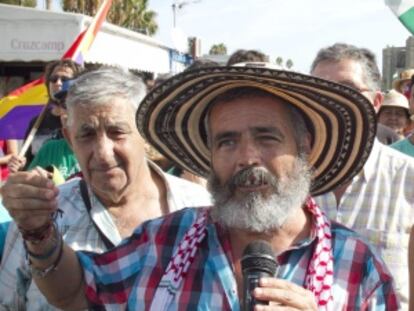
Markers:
<point>117,133</point>
<point>269,138</point>
<point>85,135</point>
<point>226,143</point>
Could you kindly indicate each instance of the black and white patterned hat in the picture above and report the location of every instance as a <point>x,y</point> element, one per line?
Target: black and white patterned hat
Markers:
<point>172,117</point>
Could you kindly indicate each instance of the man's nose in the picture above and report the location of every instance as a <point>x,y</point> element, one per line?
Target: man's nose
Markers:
<point>249,155</point>
<point>103,147</point>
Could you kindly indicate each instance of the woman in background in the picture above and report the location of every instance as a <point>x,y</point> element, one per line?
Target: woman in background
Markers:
<point>8,148</point>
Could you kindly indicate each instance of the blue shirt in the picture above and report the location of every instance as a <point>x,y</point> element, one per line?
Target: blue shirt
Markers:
<point>4,225</point>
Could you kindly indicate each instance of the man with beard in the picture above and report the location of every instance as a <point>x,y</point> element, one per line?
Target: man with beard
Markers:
<point>269,139</point>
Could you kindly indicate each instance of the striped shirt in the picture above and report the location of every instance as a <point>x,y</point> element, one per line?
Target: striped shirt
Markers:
<point>128,276</point>
<point>379,205</point>
<point>78,231</point>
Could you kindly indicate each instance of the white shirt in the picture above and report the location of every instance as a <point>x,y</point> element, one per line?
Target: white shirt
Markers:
<point>379,204</point>
<point>78,232</point>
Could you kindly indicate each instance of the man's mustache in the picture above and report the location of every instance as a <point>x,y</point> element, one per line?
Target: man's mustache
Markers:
<point>250,175</point>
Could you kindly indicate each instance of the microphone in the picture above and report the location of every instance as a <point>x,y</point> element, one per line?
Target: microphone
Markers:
<point>258,261</point>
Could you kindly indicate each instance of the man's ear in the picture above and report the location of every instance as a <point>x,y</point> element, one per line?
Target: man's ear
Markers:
<point>377,100</point>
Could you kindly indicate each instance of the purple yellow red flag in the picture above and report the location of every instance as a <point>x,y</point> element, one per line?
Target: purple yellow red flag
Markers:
<point>24,103</point>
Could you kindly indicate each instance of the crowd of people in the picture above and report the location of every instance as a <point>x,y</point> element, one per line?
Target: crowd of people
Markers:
<point>318,166</point>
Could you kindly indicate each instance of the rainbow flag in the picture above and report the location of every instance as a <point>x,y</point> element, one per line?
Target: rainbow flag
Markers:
<point>26,102</point>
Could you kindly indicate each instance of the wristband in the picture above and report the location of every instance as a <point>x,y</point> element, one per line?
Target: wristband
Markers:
<point>46,255</point>
<point>42,273</point>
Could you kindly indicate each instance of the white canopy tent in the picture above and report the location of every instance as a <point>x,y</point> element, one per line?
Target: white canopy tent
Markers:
<point>29,35</point>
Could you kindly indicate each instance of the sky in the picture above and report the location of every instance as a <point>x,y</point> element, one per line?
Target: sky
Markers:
<point>294,29</point>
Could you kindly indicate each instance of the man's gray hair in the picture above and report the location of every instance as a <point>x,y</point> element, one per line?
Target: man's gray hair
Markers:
<point>100,87</point>
<point>341,51</point>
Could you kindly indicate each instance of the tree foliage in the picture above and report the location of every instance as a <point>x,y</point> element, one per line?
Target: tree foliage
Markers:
<point>131,14</point>
<point>28,3</point>
<point>279,61</point>
<point>218,49</point>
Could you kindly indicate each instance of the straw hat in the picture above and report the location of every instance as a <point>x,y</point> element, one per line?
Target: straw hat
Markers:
<point>393,98</point>
<point>404,75</point>
<point>342,122</point>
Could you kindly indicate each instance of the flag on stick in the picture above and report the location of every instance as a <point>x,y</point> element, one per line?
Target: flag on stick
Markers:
<point>21,105</point>
<point>404,10</point>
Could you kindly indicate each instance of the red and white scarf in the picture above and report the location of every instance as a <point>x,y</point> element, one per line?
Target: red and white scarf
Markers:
<point>319,277</point>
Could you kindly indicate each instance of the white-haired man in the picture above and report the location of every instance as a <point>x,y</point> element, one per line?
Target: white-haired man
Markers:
<point>120,188</point>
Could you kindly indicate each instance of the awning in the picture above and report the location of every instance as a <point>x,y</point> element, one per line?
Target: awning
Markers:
<point>36,35</point>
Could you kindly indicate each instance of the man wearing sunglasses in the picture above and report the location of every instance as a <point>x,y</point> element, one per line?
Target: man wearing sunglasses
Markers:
<point>56,73</point>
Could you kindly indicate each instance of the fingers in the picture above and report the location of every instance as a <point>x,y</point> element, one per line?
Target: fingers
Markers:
<point>283,295</point>
<point>16,163</point>
<point>30,197</point>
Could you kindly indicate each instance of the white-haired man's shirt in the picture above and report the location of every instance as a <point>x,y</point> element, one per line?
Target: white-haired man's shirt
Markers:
<point>19,292</point>
<point>379,204</point>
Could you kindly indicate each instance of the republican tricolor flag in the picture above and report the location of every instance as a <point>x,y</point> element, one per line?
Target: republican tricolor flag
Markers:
<point>21,105</point>
<point>404,10</point>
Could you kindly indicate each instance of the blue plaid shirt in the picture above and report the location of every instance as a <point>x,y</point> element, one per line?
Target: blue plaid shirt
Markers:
<point>128,276</point>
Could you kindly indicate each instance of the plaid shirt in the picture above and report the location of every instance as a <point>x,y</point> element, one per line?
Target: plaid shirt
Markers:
<point>128,276</point>
<point>18,292</point>
<point>379,205</point>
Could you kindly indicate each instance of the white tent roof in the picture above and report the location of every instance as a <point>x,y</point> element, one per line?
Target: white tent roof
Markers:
<point>37,35</point>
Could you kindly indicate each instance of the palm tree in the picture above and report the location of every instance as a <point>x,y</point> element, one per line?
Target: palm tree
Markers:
<point>87,7</point>
<point>289,64</point>
<point>218,49</point>
<point>29,3</point>
<point>279,61</point>
<point>131,14</point>
<point>135,15</point>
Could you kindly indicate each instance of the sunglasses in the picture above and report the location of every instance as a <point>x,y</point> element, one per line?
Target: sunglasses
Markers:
<point>55,79</point>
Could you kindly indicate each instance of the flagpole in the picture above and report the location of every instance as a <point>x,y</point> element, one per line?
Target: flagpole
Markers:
<point>33,131</point>
<point>82,43</point>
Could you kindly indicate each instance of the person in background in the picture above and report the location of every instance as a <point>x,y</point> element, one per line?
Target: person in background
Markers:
<point>201,63</point>
<point>4,226</point>
<point>56,73</point>
<point>120,188</point>
<point>264,161</point>
<point>8,149</point>
<point>402,83</point>
<point>378,203</point>
<point>56,153</point>
<point>246,56</point>
<point>394,112</point>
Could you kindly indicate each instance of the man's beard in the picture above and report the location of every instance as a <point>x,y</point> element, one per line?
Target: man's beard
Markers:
<point>255,211</point>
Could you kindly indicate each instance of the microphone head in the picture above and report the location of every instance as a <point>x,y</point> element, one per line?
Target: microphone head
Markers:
<point>259,256</point>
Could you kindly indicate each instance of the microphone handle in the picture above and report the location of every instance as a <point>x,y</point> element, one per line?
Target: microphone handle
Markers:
<point>250,282</point>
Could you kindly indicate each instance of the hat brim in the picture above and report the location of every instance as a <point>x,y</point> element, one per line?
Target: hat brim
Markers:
<point>396,84</point>
<point>342,122</point>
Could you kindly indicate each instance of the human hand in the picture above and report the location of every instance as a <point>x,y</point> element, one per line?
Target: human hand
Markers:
<point>30,197</point>
<point>283,295</point>
<point>16,163</point>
